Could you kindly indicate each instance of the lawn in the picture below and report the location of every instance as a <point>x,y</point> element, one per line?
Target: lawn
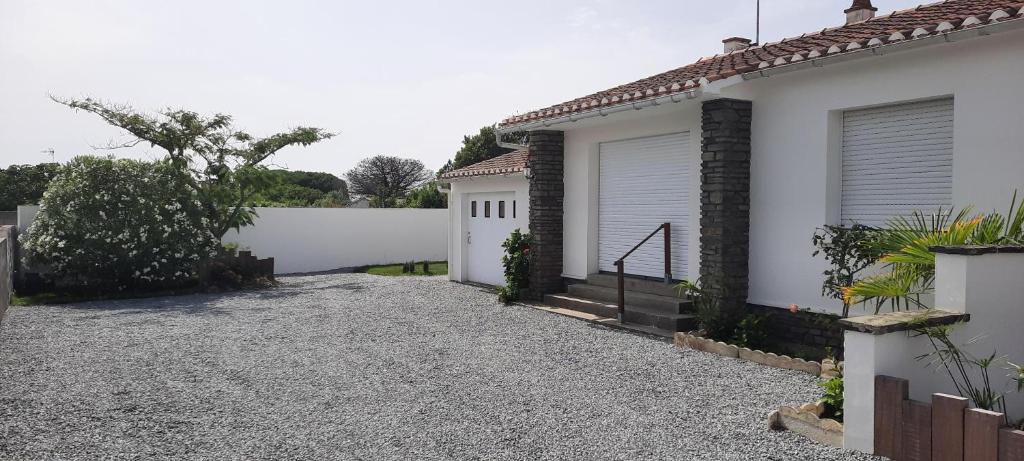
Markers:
<point>436,268</point>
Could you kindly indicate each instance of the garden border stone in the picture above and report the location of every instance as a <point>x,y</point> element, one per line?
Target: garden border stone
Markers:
<point>806,420</point>
<point>700,343</point>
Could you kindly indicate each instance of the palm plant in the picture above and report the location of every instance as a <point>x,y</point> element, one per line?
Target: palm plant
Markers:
<point>906,244</point>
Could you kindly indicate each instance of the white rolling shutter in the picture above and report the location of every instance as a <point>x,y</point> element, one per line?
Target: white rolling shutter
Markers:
<point>897,159</point>
<point>643,183</point>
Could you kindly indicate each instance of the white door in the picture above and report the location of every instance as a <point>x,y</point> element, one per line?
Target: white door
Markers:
<point>643,183</point>
<point>897,159</point>
<point>489,224</point>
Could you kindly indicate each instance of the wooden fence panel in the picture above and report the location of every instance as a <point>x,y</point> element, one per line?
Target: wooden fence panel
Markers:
<point>1011,445</point>
<point>889,396</point>
<point>981,435</point>
<point>917,432</point>
<point>948,427</point>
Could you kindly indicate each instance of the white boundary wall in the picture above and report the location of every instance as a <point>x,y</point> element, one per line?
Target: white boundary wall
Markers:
<point>319,239</point>
<point>985,286</point>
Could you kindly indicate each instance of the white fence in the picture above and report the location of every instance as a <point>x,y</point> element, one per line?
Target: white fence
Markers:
<point>318,239</point>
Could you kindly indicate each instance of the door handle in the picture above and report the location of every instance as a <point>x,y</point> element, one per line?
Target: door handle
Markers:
<point>469,238</point>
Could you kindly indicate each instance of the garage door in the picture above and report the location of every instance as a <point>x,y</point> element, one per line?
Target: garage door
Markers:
<point>489,224</point>
<point>897,159</point>
<point>644,182</point>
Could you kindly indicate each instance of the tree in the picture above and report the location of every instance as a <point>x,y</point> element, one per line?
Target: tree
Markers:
<point>222,165</point>
<point>25,184</point>
<point>427,196</point>
<point>385,179</point>
<point>301,189</point>
<point>476,148</point>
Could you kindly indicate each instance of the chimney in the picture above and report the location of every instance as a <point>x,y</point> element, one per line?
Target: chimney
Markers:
<point>736,43</point>
<point>861,11</point>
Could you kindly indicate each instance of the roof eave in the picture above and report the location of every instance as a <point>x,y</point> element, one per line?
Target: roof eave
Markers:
<point>880,50</point>
<point>672,98</point>
<point>469,177</point>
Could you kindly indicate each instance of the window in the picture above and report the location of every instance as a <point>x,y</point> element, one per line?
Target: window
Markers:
<point>501,209</point>
<point>487,208</point>
<point>896,159</point>
<point>472,208</point>
<point>513,209</point>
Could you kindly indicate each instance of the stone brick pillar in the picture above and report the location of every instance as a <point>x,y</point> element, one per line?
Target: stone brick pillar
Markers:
<point>547,191</point>
<point>725,199</point>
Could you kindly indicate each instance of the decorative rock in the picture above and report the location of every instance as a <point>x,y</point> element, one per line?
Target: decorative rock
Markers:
<point>775,421</point>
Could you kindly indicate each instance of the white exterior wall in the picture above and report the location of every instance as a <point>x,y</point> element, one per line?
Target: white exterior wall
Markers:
<point>795,147</point>
<point>796,164</point>
<point>319,239</point>
<point>582,175</point>
<point>458,213</point>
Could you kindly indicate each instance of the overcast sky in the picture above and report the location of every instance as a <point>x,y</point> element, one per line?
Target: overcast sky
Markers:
<point>406,78</point>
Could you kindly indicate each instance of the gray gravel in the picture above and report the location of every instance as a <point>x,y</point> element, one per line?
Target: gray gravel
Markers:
<point>354,366</point>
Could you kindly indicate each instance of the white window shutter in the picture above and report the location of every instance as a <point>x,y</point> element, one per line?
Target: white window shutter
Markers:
<point>897,159</point>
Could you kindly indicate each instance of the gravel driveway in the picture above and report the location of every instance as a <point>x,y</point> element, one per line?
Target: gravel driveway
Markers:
<point>355,366</point>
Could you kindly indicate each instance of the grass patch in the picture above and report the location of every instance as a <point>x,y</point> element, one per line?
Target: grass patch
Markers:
<point>436,268</point>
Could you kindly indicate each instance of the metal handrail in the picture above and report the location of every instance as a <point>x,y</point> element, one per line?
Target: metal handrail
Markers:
<point>620,265</point>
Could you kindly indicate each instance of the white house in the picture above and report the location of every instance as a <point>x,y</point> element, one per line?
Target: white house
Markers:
<point>747,152</point>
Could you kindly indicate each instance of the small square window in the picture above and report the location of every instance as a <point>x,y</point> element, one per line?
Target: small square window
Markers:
<point>513,209</point>
<point>487,208</point>
<point>472,208</point>
<point>501,209</point>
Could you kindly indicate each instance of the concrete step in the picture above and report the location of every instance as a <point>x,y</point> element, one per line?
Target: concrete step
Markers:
<point>665,322</point>
<point>589,306</point>
<point>654,287</point>
<point>666,304</point>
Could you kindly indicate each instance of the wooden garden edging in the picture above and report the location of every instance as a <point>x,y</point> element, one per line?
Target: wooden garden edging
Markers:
<point>942,430</point>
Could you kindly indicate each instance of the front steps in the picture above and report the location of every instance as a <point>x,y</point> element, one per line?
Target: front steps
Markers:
<point>651,305</point>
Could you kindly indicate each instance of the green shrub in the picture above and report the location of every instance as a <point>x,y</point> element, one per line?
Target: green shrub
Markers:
<point>118,224</point>
<point>848,251</point>
<point>833,398</point>
<point>517,266</point>
<point>717,323</point>
<point>752,332</point>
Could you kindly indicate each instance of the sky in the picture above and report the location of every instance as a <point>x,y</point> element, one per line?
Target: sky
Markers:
<point>404,78</point>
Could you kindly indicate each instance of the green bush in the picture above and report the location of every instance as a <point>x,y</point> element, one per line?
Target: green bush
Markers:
<point>122,224</point>
<point>752,332</point>
<point>718,323</point>
<point>517,266</point>
<point>833,398</point>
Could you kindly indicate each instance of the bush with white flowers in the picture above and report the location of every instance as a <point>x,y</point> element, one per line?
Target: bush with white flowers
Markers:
<point>119,223</point>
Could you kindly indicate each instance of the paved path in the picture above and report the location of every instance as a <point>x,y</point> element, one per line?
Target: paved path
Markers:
<point>354,366</point>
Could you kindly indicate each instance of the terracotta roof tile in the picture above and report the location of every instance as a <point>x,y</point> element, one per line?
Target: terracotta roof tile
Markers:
<point>925,19</point>
<point>512,162</point>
